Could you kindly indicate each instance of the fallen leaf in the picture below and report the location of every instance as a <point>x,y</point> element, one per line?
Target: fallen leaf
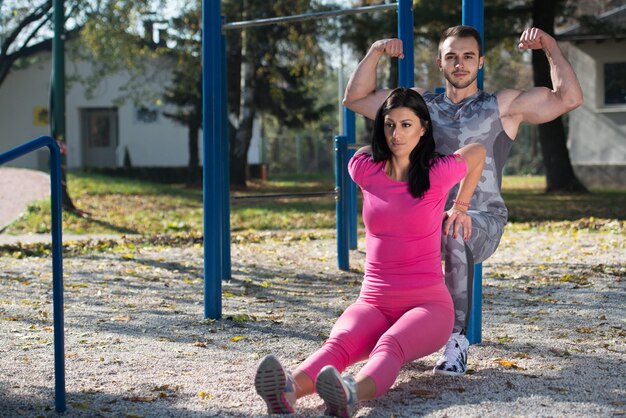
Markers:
<point>508,364</point>
<point>204,395</point>
<point>141,398</point>
<point>559,352</point>
<point>423,393</point>
<point>237,338</point>
<point>80,405</point>
<point>521,355</point>
<point>504,339</point>
<point>558,389</point>
<point>75,285</point>
<point>584,330</point>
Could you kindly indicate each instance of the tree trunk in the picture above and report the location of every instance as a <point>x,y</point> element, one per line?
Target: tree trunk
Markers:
<point>560,175</point>
<point>193,164</point>
<point>239,149</point>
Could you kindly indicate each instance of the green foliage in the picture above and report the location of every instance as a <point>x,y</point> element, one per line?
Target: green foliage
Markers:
<point>286,58</point>
<point>185,90</point>
<point>117,38</point>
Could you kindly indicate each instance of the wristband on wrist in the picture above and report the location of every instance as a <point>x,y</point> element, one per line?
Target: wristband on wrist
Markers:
<point>461,203</point>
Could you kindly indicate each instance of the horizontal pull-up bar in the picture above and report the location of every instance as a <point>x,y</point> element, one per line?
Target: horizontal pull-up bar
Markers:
<point>307,16</point>
<point>283,195</point>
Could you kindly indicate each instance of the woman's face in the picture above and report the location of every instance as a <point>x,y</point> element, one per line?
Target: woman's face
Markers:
<point>403,131</point>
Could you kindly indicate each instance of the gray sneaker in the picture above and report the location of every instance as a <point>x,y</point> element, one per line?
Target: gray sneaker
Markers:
<point>453,362</point>
<point>338,393</point>
<point>275,386</point>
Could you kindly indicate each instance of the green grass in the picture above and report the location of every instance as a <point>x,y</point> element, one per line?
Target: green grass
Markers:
<point>527,202</point>
<point>136,207</point>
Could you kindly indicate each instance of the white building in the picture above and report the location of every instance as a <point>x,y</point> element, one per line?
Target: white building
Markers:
<point>597,129</point>
<point>99,132</point>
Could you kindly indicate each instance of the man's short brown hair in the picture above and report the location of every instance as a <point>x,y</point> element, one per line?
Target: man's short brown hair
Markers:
<point>462,31</point>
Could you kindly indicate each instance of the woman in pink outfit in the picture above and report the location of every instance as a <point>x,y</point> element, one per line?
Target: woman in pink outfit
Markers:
<point>404,310</point>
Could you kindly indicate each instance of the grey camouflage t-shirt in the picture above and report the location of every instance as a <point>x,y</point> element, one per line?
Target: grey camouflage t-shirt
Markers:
<point>476,119</point>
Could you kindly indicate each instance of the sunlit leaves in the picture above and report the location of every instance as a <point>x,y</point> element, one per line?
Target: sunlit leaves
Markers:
<point>204,395</point>
<point>508,364</point>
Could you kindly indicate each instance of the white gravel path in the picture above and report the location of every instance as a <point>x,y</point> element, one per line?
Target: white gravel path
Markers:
<point>554,331</point>
<point>18,188</point>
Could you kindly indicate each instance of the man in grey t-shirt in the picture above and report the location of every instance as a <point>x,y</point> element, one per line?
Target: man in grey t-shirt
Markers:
<point>464,114</point>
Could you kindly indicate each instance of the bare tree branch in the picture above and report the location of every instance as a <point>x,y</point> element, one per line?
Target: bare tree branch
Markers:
<point>37,14</point>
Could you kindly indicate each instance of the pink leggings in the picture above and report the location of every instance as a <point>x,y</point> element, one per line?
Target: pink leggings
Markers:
<point>391,329</point>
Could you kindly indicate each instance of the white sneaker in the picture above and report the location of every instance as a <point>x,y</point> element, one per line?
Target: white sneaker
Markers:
<point>275,386</point>
<point>338,393</point>
<point>453,362</point>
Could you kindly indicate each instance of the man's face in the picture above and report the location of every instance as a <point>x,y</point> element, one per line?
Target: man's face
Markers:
<point>459,61</point>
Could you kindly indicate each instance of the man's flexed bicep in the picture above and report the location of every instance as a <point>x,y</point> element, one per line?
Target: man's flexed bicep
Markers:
<point>361,94</point>
<point>535,105</point>
<point>541,104</point>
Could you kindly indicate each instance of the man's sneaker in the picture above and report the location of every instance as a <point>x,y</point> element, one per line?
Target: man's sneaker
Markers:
<point>338,393</point>
<point>275,386</point>
<point>453,362</point>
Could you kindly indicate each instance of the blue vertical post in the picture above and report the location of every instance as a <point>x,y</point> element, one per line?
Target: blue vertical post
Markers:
<point>474,324</point>
<point>341,202</point>
<point>349,130</point>
<point>405,33</point>
<point>57,275</point>
<point>212,161</point>
<point>226,262</point>
<point>58,130</point>
<point>473,15</point>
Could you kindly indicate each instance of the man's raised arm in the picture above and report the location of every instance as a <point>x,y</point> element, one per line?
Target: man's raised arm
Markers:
<point>540,104</point>
<point>361,95</point>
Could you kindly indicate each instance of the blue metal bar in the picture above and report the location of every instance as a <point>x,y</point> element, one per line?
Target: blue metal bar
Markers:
<point>57,256</point>
<point>225,162</point>
<point>473,15</point>
<point>474,327</point>
<point>349,130</point>
<point>212,161</point>
<point>405,33</point>
<point>342,204</point>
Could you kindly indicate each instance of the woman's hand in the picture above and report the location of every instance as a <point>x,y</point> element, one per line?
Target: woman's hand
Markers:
<point>457,218</point>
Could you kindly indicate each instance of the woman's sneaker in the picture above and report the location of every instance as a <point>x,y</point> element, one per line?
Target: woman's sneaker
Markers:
<point>453,362</point>
<point>338,393</point>
<point>275,386</point>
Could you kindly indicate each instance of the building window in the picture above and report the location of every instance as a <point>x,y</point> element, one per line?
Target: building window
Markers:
<point>615,83</point>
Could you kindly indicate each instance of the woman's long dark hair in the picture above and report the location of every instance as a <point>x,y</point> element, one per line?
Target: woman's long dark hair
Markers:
<point>423,155</point>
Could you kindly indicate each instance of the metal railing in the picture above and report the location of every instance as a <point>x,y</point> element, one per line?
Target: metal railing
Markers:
<point>57,255</point>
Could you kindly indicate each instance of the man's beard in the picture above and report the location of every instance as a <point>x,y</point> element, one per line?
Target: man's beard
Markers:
<point>460,84</point>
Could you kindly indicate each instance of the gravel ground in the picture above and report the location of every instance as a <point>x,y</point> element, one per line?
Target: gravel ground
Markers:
<point>554,331</point>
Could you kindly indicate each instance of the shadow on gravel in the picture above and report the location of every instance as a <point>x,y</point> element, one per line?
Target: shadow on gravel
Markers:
<point>41,404</point>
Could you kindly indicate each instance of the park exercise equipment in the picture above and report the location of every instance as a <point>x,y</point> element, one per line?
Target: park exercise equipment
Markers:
<point>215,167</point>
<point>57,255</point>
<point>216,193</point>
